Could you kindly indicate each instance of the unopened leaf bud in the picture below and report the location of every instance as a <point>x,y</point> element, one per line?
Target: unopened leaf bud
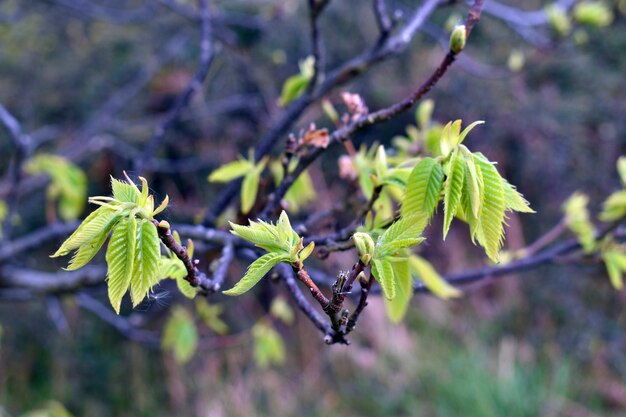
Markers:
<point>458,38</point>
<point>365,246</point>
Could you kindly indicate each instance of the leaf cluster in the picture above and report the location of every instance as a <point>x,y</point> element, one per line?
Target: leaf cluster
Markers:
<point>280,241</point>
<point>469,185</point>
<point>133,253</point>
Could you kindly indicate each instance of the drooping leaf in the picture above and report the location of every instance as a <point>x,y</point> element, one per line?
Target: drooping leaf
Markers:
<point>249,189</point>
<point>383,272</point>
<point>90,229</point>
<point>491,229</point>
<point>231,171</point>
<point>87,251</point>
<point>120,257</point>
<point>453,190</point>
<point>431,279</point>
<point>256,271</point>
<point>473,185</point>
<point>423,189</point>
<point>615,262</point>
<point>268,345</point>
<point>146,262</point>
<point>180,335</point>
<point>515,201</point>
<point>397,307</point>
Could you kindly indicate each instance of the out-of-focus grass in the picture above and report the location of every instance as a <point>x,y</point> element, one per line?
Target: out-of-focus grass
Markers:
<point>435,365</point>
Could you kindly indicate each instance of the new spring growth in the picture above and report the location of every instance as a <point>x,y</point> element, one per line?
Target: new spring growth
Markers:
<point>457,39</point>
<point>365,246</point>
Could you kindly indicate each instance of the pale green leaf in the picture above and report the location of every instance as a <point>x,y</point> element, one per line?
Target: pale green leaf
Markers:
<point>91,228</point>
<point>383,272</point>
<point>306,251</point>
<point>268,345</point>
<point>577,218</point>
<point>262,234</point>
<point>621,169</point>
<point>120,257</point>
<point>393,247</point>
<point>614,207</point>
<point>405,229</point>
<point>431,279</point>
<point>86,252</point>
<point>397,307</point>
<point>515,201</point>
<point>281,310</point>
<point>453,190</point>
<point>293,88</point>
<point>123,191</point>
<point>256,271</point>
<point>491,229</point>
<point>146,262</point>
<point>473,186</point>
<point>231,171</point>
<point>423,189</point>
<point>249,189</point>
<point>180,335</point>
<point>185,287</point>
<point>210,315</point>
<point>614,267</point>
<point>463,134</point>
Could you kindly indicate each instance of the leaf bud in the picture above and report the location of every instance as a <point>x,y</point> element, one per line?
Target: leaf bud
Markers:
<point>365,246</point>
<point>458,38</point>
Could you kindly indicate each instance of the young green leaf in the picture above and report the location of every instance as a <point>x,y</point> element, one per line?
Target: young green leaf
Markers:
<point>423,189</point>
<point>491,229</point>
<point>249,189</point>
<point>577,218</point>
<point>614,207</point>
<point>453,189</point>
<point>146,262</point>
<point>513,200</point>
<point>473,186</point>
<point>120,257</point>
<point>256,271</point>
<point>383,272</point>
<point>615,262</point>
<point>397,307</point>
<point>180,335</point>
<point>90,229</point>
<point>231,171</point>
<point>123,191</point>
<point>86,252</point>
<point>431,279</point>
<point>401,234</point>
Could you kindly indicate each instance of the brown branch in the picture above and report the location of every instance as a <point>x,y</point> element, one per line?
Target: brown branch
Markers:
<point>194,277</point>
<point>375,118</point>
<point>340,76</point>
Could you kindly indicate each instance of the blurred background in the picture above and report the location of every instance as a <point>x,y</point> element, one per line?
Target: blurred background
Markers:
<point>91,80</point>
